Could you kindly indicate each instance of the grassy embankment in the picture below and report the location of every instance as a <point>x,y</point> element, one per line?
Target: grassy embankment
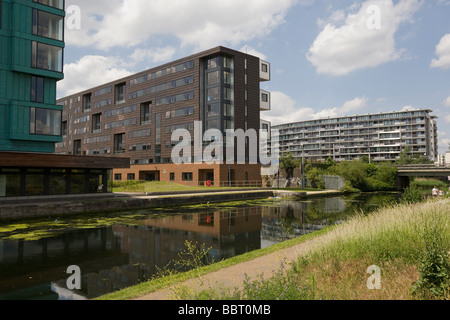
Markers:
<point>409,243</point>
<point>157,186</point>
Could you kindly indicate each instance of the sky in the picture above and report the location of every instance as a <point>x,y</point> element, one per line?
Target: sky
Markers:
<point>328,58</point>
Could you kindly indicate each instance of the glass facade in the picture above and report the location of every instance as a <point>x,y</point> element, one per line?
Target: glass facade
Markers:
<point>45,122</point>
<point>48,25</point>
<point>219,93</point>
<point>46,57</point>
<point>58,4</point>
<point>17,182</point>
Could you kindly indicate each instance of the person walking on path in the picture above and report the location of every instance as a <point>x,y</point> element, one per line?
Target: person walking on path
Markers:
<point>434,192</point>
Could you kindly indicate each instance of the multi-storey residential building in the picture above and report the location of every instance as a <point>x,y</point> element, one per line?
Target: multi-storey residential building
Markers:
<point>380,137</point>
<point>31,63</point>
<point>135,117</point>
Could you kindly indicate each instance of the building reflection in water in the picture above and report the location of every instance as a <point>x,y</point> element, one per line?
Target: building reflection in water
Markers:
<point>120,256</point>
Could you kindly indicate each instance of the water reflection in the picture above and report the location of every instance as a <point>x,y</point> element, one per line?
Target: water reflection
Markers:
<point>121,255</point>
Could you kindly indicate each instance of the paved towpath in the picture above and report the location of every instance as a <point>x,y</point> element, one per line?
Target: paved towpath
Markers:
<point>234,276</point>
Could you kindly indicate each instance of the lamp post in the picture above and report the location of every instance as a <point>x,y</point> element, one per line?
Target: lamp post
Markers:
<point>303,167</point>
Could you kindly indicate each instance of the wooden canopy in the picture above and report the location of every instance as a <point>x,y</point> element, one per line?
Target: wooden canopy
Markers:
<point>42,160</point>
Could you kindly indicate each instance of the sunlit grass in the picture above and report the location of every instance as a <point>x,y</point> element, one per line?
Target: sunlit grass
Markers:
<point>393,238</point>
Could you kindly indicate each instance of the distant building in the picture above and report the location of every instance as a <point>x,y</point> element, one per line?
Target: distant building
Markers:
<point>135,117</point>
<point>379,137</point>
<point>447,159</point>
<point>31,63</point>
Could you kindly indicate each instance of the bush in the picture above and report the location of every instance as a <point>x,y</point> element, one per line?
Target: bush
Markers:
<point>412,195</point>
<point>434,281</point>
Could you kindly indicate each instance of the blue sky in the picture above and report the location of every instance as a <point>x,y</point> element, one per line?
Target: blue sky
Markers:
<point>328,58</point>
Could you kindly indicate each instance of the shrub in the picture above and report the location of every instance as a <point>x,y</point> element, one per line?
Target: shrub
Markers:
<point>434,281</point>
<point>412,195</point>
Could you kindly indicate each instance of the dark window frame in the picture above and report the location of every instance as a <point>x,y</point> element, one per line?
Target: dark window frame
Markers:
<point>37,89</point>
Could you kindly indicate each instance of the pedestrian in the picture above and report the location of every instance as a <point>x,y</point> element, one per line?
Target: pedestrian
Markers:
<point>434,192</point>
<point>441,193</point>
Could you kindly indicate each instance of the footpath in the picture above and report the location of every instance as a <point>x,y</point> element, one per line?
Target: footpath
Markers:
<point>233,277</point>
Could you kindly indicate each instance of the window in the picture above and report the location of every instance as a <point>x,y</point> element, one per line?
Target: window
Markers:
<point>228,62</point>
<point>131,177</point>
<point>264,67</point>
<point>64,128</point>
<point>146,113</point>
<point>47,25</point>
<point>120,93</point>
<point>187,176</point>
<point>213,94</point>
<point>228,78</point>
<point>213,110</point>
<point>58,4</point>
<point>45,122</point>
<point>96,123</point>
<point>213,63</point>
<point>87,102</point>
<point>77,147</point>
<point>46,57</point>
<point>265,97</point>
<point>119,143</point>
<point>213,78</point>
<point>172,176</point>
<point>37,89</point>
<point>103,91</point>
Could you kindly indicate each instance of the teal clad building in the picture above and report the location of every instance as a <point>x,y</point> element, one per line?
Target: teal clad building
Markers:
<point>31,63</point>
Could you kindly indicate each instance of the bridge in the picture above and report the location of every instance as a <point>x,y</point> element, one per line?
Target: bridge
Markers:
<point>420,170</point>
<point>423,170</point>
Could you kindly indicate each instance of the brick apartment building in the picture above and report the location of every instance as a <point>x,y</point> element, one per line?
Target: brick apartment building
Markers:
<point>135,117</point>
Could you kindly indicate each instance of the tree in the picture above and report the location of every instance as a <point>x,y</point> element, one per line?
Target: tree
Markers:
<point>288,164</point>
<point>406,158</point>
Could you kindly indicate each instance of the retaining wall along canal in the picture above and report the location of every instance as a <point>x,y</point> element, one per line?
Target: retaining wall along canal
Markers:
<point>43,207</point>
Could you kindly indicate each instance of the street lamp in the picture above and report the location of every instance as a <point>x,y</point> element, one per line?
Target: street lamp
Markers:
<point>303,167</point>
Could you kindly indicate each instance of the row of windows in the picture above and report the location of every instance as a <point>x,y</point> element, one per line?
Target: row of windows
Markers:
<point>405,116</point>
<point>163,72</point>
<point>162,87</point>
<point>145,118</point>
<point>177,98</point>
<point>185,176</point>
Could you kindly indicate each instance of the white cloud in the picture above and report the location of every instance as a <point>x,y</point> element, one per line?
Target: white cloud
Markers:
<point>157,55</point>
<point>339,50</point>
<point>290,111</point>
<point>88,72</point>
<point>446,102</point>
<point>408,108</point>
<point>253,52</point>
<point>348,108</point>
<point>199,23</point>
<point>447,119</point>
<point>293,113</point>
<point>443,52</point>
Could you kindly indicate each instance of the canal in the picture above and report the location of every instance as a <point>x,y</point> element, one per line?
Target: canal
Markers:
<point>119,251</point>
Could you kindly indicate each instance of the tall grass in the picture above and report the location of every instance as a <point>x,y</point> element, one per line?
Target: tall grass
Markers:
<point>397,239</point>
<point>390,233</point>
<point>394,238</point>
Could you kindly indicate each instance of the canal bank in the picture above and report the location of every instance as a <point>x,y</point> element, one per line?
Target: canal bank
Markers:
<point>40,207</point>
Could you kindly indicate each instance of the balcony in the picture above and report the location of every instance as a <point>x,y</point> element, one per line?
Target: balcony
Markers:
<point>265,104</point>
<point>264,71</point>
